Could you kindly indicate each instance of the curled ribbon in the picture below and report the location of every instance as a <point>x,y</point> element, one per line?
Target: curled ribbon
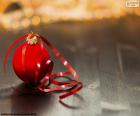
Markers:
<point>67,88</point>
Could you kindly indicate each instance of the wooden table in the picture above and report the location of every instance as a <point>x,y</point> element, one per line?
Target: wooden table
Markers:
<point>106,55</point>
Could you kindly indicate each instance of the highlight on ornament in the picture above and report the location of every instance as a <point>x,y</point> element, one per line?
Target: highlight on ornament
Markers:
<point>33,65</point>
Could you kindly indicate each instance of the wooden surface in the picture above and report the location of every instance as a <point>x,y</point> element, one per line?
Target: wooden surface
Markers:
<point>106,55</point>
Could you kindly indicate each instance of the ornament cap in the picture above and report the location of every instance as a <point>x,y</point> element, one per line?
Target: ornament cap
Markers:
<point>32,38</point>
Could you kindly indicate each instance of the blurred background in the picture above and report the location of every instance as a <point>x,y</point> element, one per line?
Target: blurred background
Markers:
<point>101,40</point>
<point>17,15</point>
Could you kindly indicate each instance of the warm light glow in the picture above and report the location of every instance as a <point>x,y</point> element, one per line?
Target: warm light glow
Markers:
<point>29,12</point>
<point>15,25</point>
<point>48,11</point>
<point>137,11</point>
<point>35,20</point>
<point>45,19</point>
<point>25,22</point>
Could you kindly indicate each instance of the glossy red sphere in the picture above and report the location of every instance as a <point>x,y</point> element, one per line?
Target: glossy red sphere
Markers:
<point>31,62</point>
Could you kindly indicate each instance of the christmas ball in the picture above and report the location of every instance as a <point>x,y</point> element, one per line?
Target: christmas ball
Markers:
<point>31,61</point>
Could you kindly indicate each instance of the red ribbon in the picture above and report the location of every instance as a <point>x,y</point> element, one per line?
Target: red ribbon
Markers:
<point>67,88</point>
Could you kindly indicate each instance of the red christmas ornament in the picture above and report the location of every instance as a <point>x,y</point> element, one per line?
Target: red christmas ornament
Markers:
<point>32,64</point>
